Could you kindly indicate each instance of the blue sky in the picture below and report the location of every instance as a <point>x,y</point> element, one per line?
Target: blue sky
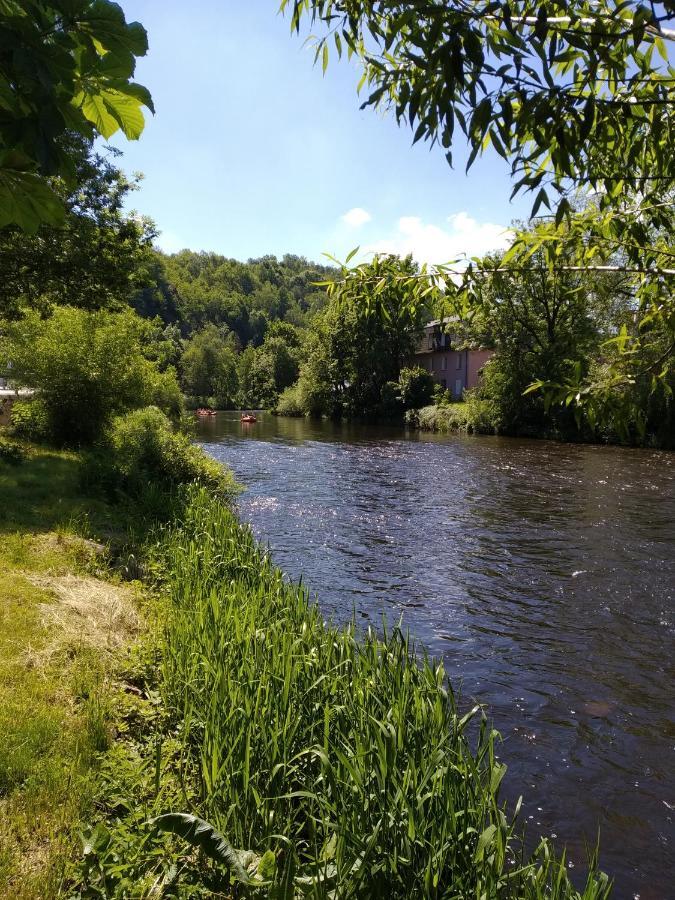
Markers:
<point>253,151</point>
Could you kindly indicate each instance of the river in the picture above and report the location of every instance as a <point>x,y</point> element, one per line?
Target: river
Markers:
<point>544,576</point>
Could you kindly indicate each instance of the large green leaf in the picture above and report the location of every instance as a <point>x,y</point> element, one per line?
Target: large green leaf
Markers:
<point>199,833</point>
<point>27,200</point>
<point>96,111</point>
<point>126,110</point>
<point>105,23</point>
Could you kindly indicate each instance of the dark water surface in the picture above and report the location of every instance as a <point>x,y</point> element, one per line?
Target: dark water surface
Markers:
<point>542,573</point>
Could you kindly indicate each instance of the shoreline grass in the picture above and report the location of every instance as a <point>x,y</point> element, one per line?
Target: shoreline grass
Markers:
<point>335,765</point>
<point>344,760</point>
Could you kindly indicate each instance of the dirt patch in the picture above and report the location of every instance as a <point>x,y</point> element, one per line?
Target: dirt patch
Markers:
<point>87,611</point>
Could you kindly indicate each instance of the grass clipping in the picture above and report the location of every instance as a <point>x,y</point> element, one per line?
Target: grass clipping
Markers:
<point>87,612</point>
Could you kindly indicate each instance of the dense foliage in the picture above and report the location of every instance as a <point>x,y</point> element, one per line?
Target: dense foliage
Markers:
<point>100,256</point>
<point>360,344</point>
<point>343,763</point>
<point>200,289</point>
<point>553,325</point>
<point>142,450</point>
<point>66,66</point>
<point>86,367</point>
<point>575,96</point>
<point>234,329</point>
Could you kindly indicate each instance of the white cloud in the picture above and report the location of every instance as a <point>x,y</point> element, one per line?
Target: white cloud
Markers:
<point>464,236</point>
<point>356,217</point>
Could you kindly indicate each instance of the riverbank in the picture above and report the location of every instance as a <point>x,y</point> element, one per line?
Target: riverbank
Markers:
<point>330,763</point>
<point>475,416</point>
<point>67,622</point>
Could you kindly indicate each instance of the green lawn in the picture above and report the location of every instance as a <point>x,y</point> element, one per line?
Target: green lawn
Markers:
<point>64,626</point>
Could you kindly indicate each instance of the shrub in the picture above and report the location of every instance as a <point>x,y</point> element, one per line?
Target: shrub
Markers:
<point>290,402</point>
<point>416,387</point>
<point>165,393</point>
<point>472,416</point>
<point>11,453</point>
<point>30,420</point>
<point>307,397</point>
<point>142,449</point>
<point>87,367</point>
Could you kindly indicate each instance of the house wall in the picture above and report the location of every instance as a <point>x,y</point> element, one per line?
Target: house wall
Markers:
<point>448,368</point>
<point>454,370</point>
<point>477,359</point>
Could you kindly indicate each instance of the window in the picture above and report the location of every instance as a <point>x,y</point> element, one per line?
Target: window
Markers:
<point>444,363</point>
<point>431,364</point>
<point>459,360</point>
<point>431,341</point>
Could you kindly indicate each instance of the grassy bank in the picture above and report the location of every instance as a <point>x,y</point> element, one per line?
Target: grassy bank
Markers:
<point>334,766</point>
<point>66,622</point>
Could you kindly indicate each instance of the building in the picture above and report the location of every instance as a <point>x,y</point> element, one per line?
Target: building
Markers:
<point>455,370</point>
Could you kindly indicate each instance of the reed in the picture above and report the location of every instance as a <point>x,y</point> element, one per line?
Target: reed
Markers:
<point>345,755</point>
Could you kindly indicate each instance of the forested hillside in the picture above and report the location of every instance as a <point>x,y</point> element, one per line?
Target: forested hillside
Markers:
<point>193,290</point>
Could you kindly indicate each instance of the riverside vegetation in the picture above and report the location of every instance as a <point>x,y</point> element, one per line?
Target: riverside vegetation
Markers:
<point>205,731</point>
<point>161,679</point>
<point>334,764</point>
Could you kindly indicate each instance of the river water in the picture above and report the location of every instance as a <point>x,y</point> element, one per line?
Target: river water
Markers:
<point>543,574</point>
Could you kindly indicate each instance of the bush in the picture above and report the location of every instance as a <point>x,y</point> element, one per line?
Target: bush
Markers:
<point>165,393</point>
<point>11,453</point>
<point>87,367</point>
<point>416,387</point>
<point>307,397</point>
<point>30,420</point>
<point>142,449</point>
<point>290,402</point>
<point>471,416</point>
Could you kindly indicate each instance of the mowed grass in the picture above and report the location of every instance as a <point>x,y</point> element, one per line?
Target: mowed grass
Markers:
<point>56,661</point>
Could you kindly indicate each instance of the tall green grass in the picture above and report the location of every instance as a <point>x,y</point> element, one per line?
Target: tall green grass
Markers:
<point>345,755</point>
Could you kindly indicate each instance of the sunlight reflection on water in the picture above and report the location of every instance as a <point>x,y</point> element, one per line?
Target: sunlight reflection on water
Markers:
<point>542,573</point>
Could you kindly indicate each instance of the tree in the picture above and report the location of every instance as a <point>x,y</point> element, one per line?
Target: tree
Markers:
<point>209,367</point>
<point>575,95</point>
<point>266,371</point>
<point>248,297</point>
<point>100,255</point>
<point>86,367</point>
<point>66,66</point>
<point>366,336</point>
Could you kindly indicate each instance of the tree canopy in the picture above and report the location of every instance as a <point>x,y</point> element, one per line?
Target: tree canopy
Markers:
<point>66,66</point>
<point>567,91</point>
<point>100,256</point>
<point>576,96</point>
